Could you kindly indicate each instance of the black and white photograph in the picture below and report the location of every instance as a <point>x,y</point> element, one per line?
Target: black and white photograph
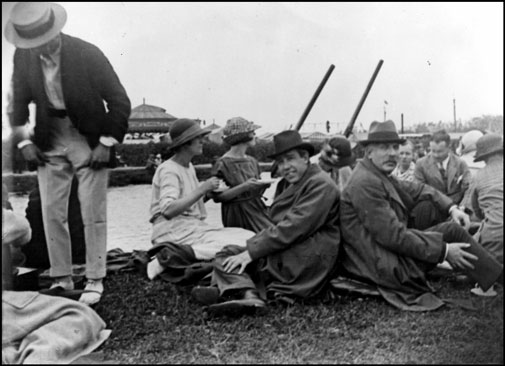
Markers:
<point>252,182</point>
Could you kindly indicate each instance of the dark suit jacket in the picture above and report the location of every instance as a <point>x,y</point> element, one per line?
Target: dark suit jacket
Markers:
<point>87,79</point>
<point>458,176</point>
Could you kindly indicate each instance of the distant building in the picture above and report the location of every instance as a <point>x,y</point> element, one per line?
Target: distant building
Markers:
<point>216,135</point>
<point>147,118</point>
<point>315,136</point>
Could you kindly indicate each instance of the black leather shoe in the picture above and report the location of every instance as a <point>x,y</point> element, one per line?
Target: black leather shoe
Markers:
<point>206,295</point>
<point>250,303</point>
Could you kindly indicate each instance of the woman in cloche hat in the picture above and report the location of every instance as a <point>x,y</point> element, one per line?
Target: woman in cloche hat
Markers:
<point>241,204</point>
<point>178,210</point>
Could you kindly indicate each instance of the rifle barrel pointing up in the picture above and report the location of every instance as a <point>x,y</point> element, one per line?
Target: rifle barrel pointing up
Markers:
<point>314,98</point>
<point>350,126</point>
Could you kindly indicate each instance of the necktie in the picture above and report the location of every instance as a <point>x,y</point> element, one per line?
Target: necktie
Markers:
<point>444,174</point>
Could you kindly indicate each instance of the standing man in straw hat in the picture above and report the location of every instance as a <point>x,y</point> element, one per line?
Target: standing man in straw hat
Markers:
<point>294,257</point>
<point>69,80</point>
<point>378,245</point>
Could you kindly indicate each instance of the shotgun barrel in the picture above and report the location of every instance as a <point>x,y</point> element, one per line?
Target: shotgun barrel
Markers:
<point>350,126</point>
<point>314,98</point>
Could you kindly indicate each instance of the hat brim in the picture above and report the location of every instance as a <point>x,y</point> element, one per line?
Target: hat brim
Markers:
<point>481,157</point>
<point>304,145</point>
<point>188,138</point>
<point>60,19</point>
<point>386,141</point>
<point>342,162</point>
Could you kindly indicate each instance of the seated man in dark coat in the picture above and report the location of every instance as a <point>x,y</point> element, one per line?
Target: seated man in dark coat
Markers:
<point>378,246</point>
<point>293,258</point>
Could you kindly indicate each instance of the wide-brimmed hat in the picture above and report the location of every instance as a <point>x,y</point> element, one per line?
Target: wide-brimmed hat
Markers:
<point>345,154</point>
<point>382,132</point>
<point>488,144</point>
<point>33,24</point>
<point>288,140</point>
<point>184,130</point>
<point>238,130</point>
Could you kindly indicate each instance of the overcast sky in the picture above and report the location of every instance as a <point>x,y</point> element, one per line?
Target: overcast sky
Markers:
<point>264,61</point>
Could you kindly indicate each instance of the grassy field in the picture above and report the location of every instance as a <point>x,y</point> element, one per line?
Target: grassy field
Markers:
<point>156,322</point>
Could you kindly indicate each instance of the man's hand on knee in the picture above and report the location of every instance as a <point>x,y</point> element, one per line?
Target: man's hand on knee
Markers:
<point>459,216</point>
<point>240,260</point>
<point>459,258</point>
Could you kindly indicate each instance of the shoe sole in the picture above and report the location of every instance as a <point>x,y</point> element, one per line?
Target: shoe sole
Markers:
<point>236,308</point>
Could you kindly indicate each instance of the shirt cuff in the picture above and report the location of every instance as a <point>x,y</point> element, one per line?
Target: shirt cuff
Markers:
<point>452,208</point>
<point>108,141</point>
<point>24,143</point>
<point>446,251</point>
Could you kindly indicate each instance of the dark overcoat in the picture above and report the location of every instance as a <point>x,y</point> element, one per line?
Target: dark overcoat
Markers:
<point>376,243</point>
<point>87,79</point>
<point>300,248</point>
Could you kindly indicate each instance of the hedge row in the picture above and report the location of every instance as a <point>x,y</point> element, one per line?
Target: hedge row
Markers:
<point>136,155</point>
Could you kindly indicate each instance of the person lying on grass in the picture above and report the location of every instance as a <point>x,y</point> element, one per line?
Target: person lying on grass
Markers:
<point>180,233</point>
<point>380,247</point>
<point>294,257</point>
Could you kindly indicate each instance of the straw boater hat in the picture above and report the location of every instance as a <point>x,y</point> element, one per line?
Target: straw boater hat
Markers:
<point>238,130</point>
<point>487,145</point>
<point>184,130</point>
<point>382,132</point>
<point>345,154</point>
<point>288,140</point>
<point>33,24</point>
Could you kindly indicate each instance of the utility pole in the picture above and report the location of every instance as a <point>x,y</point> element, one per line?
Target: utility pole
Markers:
<point>454,112</point>
<point>402,123</point>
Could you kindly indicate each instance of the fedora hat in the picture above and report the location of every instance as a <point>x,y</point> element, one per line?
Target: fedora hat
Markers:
<point>382,132</point>
<point>345,154</point>
<point>184,130</point>
<point>238,130</point>
<point>288,140</point>
<point>487,145</point>
<point>33,24</point>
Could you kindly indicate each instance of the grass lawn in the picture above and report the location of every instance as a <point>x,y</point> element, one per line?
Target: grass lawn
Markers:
<point>156,322</point>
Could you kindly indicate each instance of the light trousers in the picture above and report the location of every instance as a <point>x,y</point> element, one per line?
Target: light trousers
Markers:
<point>70,155</point>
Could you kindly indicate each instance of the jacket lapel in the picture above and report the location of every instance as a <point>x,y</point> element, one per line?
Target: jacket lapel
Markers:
<point>435,172</point>
<point>451,171</point>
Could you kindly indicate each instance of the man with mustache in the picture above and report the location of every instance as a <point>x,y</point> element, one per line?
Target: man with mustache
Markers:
<point>380,248</point>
